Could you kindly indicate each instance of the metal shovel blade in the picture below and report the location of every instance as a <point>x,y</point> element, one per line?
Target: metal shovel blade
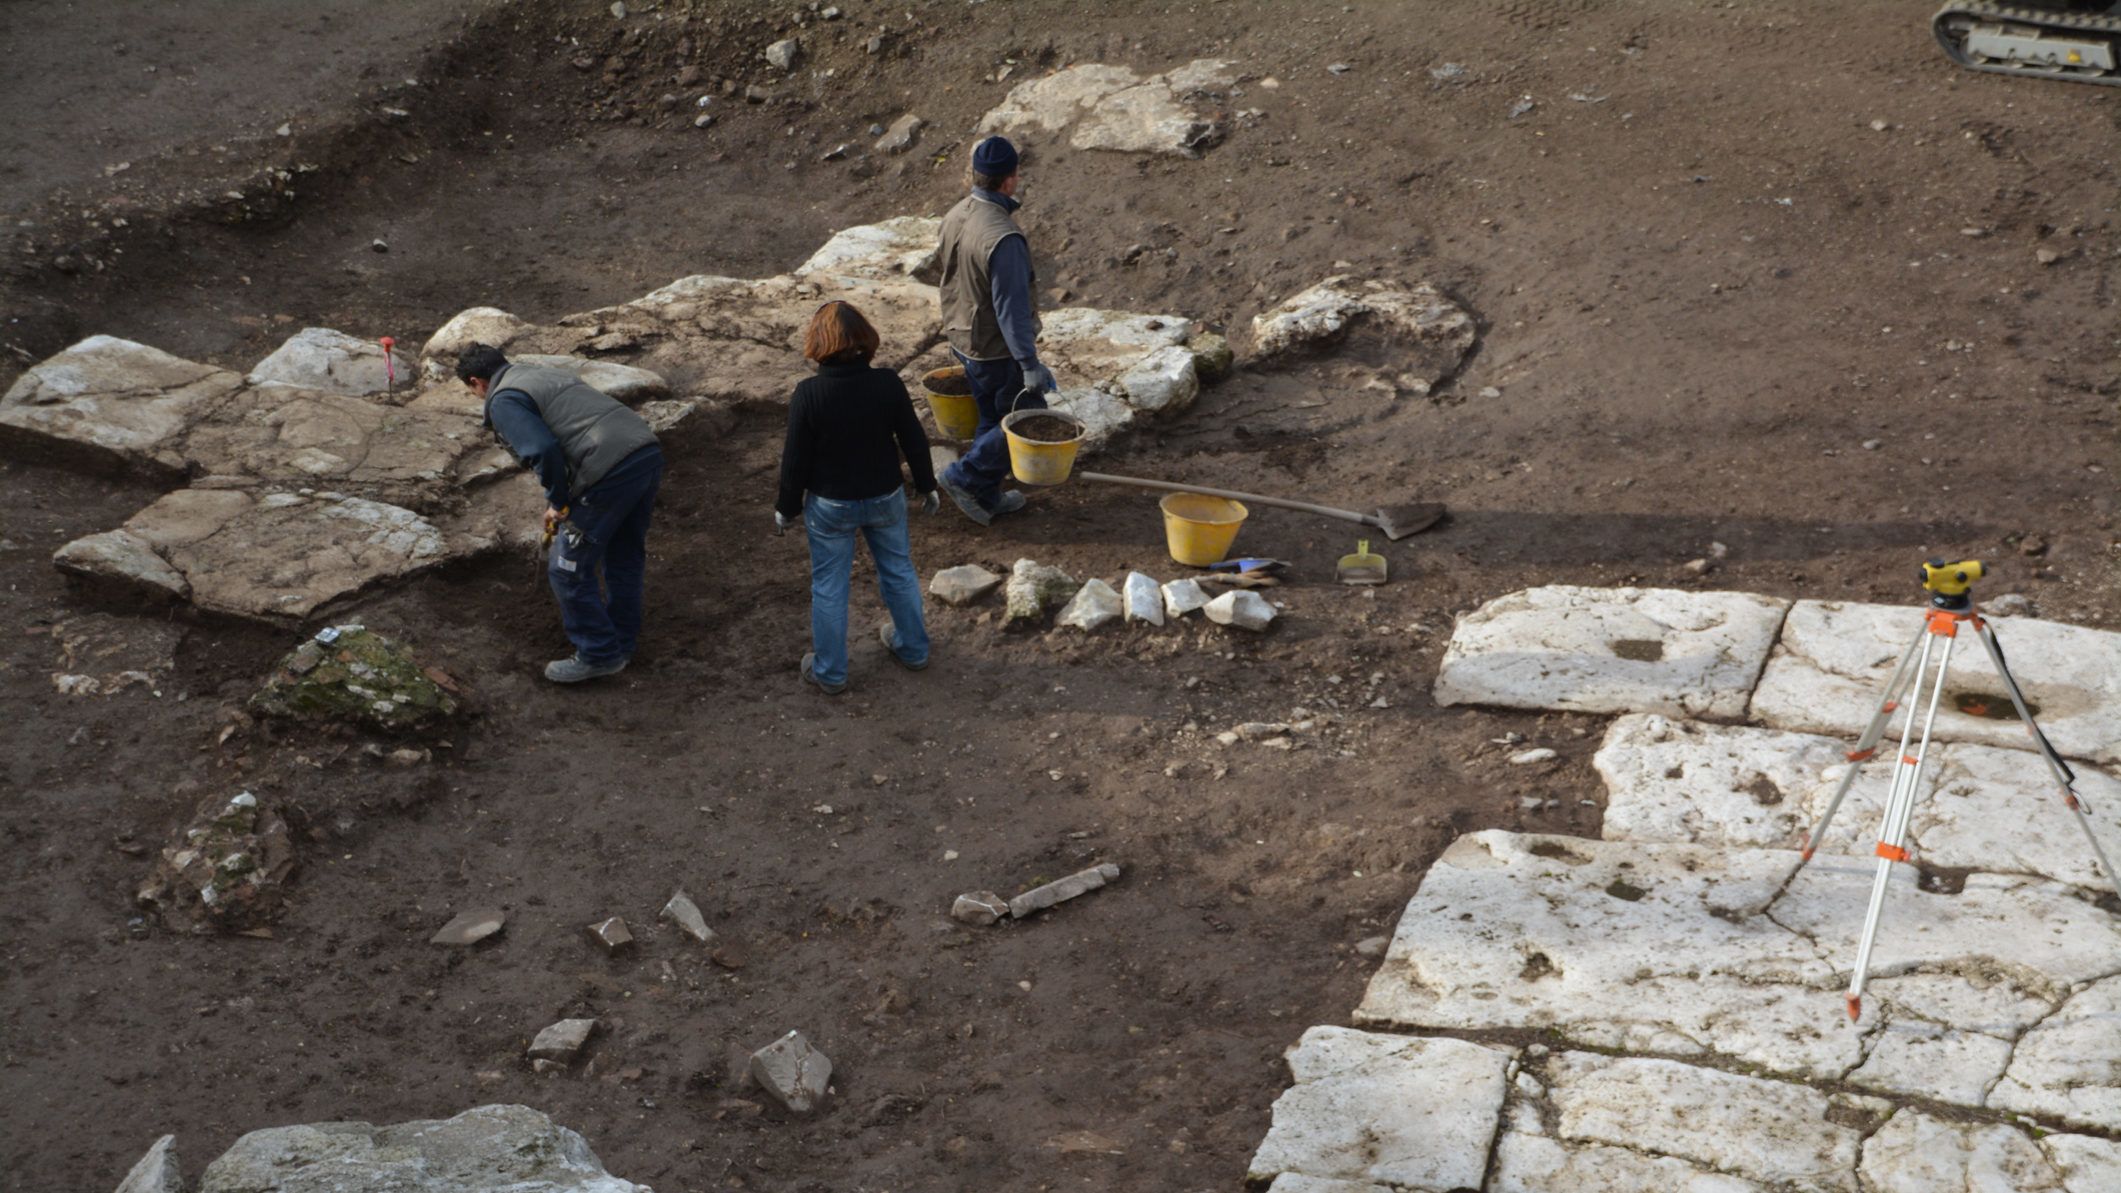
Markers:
<point>1399,521</point>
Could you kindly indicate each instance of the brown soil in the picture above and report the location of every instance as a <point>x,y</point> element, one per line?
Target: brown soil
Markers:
<point>1703,288</point>
<point>1046,428</point>
<point>948,382</point>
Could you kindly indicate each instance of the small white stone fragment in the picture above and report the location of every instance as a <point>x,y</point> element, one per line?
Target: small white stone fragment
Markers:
<point>1094,605</point>
<point>962,585</point>
<point>561,1041</point>
<point>793,1073</point>
<point>1242,609</point>
<point>979,907</point>
<point>1528,757</point>
<point>683,912</point>
<point>1182,597</point>
<point>1145,600</point>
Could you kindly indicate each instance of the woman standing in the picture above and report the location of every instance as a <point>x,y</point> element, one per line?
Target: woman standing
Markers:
<point>847,428</point>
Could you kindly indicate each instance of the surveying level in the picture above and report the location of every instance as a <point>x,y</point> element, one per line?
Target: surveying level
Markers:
<point>1952,605</point>
<point>1949,582</point>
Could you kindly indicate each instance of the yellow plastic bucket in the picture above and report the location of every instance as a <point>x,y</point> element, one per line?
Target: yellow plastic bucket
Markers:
<point>956,415</point>
<point>1035,461</point>
<point>1199,529</point>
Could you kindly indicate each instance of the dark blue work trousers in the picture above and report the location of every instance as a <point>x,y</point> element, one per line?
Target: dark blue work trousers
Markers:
<point>599,561</point>
<point>996,385</point>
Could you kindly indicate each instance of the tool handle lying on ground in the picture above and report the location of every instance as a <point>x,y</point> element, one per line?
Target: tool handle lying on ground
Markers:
<point>1395,524</point>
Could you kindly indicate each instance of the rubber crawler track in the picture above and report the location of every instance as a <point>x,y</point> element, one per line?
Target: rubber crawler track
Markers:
<point>1955,45</point>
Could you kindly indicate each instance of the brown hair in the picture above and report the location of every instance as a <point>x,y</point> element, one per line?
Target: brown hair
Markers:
<point>839,334</point>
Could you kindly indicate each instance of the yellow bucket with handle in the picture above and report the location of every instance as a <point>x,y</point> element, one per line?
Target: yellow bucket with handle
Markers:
<point>1199,529</point>
<point>1039,458</point>
<point>950,400</point>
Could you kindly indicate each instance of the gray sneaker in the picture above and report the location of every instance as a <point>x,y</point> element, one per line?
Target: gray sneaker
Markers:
<point>575,669</point>
<point>964,500</point>
<point>810,677</point>
<point>1007,503</point>
<point>883,633</point>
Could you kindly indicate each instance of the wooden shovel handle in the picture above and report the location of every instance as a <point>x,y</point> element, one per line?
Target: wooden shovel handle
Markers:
<point>1234,495</point>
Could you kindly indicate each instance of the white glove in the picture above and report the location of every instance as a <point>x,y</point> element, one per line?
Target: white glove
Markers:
<point>932,501</point>
<point>1039,379</point>
<point>781,522</point>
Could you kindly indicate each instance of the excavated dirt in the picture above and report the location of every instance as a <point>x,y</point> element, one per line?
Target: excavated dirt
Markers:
<point>1046,429</point>
<point>1771,276</point>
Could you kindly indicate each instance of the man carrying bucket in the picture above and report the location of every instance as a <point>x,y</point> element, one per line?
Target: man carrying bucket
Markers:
<point>991,320</point>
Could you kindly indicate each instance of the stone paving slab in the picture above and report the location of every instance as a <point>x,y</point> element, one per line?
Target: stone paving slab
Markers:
<point>1831,664</point>
<point>1690,951</point>
<point>330,360</point>
<point>112,402</point>
<point>1982,808</point>
<point>284,556</point>
<point>1411,1113</point>
<point>1612,650</point>
<point>1917,1152</point>
<point>1113,108</point>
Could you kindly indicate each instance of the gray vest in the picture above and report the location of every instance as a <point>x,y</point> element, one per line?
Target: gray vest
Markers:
<point>971,230</point>
<point>595,431</point>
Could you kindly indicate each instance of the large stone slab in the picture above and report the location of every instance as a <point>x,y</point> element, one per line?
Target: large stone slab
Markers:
<point>1779,1134</point>
<point>1411,1113</point>
<point>1611,650</point>
<point>1429,334</point>
<point>489,1149</point>
<point>280,556</point>
<point>1981,808</point>
<point>112,402</point>
<point>2068,1066</point>
<point>1917,1152</point>
<point>1833,660</point>
<point>1175,113</point>
<point>1689,951</point>
<point>906,247</point>
<point>322,358</point>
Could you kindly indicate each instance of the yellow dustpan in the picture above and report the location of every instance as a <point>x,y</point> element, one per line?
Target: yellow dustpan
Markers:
<point>1362,567</point>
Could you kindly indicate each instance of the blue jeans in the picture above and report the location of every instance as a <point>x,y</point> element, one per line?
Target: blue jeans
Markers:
<point>599,561</point>
<point>985,465</point>
<point>832,526</point>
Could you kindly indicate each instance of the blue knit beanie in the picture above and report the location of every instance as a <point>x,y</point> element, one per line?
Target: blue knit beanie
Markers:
<point>995,157</point>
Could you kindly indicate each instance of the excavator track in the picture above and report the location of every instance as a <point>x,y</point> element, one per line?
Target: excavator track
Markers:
<point>2047,43</point>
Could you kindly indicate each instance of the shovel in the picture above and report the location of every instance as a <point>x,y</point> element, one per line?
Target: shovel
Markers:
<point>1397,521</point>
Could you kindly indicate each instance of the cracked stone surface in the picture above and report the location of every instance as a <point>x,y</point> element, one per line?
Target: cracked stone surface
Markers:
<point>111,402</point>
<point>1673,949</point>
<point>1429,333</point>
<point>283,556</point>
<point>904,247</point>
<point>488,1149</point>
<point>1982,808</point>
<point>1776,1133</point>
<point>1415,1114</point>
<point>1920,1153</point>
<point>1113,108</point>
<point>2069,1065</point>
<point>1611,650</point>
<point>1833,660</point>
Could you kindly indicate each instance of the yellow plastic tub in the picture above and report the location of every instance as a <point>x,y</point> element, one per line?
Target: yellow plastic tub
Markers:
<point>1199,529</point>
<point>956,415</point>
<point>1038,462</point>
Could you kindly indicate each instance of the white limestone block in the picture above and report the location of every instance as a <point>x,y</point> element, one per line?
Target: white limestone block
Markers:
<point>896,248</point>
<point>1611,650</point>
<point>1920,1153</point>
<point>1182,597</point>
<point>2087,1165</point>
<point>1917,1058</point>
<point>1778,1133</point>
<point>1527,1162</point>
<point>1145,600</point>
<point>490,326</point>
<point>1981,808</point>
<point>1833,660</point>
<point>321,358</point>
<point>1093,606</point>
<point>1240,608</point>
<point>113,400</point>
<point>1405,1112</point>
<point>2068,1067</point>
<point>1430,331</point>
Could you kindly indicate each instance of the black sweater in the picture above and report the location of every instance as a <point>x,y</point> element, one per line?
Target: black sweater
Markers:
<point>847,427</point>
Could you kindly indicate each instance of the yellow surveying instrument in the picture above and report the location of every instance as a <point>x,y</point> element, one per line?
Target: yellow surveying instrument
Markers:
<point>1951,608</point>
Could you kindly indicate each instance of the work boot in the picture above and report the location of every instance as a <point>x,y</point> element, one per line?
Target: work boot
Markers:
<point>575,669</point>
<point>1007,503</point>
<point>883,633</point>
<point>964,500</point>
<point>810,677</point>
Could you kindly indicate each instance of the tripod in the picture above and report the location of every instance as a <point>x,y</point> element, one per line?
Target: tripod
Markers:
<point>1951,607</point>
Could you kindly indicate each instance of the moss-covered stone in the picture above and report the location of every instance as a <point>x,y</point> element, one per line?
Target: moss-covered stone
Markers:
<point>352,675</point>
<point>1213,359</point>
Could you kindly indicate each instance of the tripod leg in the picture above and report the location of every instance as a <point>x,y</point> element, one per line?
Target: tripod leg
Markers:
<point>2064,776</point>
<point>1899,811</point>
<point>1867,745</point>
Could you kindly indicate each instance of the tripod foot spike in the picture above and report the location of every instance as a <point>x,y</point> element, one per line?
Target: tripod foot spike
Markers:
<point>1855,1007</point>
